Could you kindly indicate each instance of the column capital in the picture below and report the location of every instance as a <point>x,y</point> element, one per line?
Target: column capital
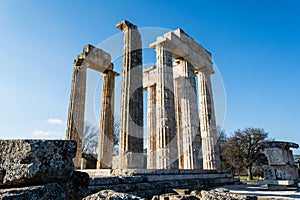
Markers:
<point>125,25</point>
<point>205,71</point>
<point>114,73</point>
<point>162,44</point>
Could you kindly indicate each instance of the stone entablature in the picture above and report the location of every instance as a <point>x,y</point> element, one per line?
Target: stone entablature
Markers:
<point>183,46</point>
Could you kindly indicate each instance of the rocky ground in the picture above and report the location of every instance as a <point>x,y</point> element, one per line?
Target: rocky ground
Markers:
<point>44,170</point>
<point>178,194</point>
<point>228,192</point>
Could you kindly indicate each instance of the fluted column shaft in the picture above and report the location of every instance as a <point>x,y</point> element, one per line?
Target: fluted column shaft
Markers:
<point>106,135</point>
<point>75,124</point>
<point>210,149</point>
<point>151,126</point>
<point>131,119</point>
<point>187,119</point>
<point>166,140</point>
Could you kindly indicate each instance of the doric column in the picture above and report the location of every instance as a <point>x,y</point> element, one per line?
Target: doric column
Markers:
<point>166,140</point>
<point>106,135</point>
<point>210,149</point>
<point>187,119</point>
<point>151,128</point>
<point>131,121</point>
<point>178,115</point>
<point>75,124</point>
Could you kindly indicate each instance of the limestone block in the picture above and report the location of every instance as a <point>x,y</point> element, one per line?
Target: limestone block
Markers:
<point>215,194</point>
<point>278,182</point>
<point>135,160</point>
<point>276,156</point>
<point>95,58</point>
<point>183,46</point>
<point>35,161</point>
<point>285,172</point>
<point>131,120</point>
<point>105,181</point>
<point>40,192</point>
<point>97,173</point>
<point>110,194</point>
<point>77,186</point>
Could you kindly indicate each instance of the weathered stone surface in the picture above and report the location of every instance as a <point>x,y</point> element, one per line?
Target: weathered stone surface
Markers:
<point>35,161</point>
<point>183,46</point>
<point>151,128</point>
<point>281,169</point>
<point>111,195</point>
<point>106,135</point>
<point>77,186</point>
<point>285,172</point>
<point>172,196</point>
<point>209,134</point>
<point>93,58</point>
<point>166,145</point>
<point>187,120</point>
<point>131,120</point>
<point>40,192</point>
<point>75,123</point>
<point>148,185</point>
<point>218,194</point>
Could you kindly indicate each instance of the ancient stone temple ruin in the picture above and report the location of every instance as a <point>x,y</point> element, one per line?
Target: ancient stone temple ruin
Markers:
<point>177,136</point>
<point>182,155</point>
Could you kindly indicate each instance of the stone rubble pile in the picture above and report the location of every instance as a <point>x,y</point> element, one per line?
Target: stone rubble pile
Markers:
<point>216,194</point>
<point>110,194</point>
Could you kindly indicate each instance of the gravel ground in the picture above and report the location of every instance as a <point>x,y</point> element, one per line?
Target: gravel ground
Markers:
<point>262,192</point>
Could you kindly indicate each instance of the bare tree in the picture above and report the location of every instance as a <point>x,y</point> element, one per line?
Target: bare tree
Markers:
<point>116,136</point>
<point>91,135</point>
<point>90,139</point>
<point>243,150</point>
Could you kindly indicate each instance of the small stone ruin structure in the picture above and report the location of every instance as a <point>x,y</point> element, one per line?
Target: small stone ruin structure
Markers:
<point>281,170</point>
<point>177,137</point>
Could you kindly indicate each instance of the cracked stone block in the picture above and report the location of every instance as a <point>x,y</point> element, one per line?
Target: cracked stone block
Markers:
<point>29,162</point>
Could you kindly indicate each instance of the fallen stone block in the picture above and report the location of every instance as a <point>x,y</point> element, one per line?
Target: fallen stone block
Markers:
<point>77,187</point>
<point>34,162</point>
<point>40,192</point>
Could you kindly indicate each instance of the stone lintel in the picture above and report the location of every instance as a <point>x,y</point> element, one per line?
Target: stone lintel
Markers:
<point>280,144</point>
<point>94,58</point>
<point>125,25</point>
<point>183,46</point>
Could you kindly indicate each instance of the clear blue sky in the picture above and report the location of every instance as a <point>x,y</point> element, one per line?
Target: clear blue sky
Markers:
<point>255,44</point>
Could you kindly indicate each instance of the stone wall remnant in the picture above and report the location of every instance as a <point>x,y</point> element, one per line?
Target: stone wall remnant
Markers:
<point>281,170</point>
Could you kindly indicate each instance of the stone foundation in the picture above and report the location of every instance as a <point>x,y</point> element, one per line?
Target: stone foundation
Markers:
<point>148,183</point>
